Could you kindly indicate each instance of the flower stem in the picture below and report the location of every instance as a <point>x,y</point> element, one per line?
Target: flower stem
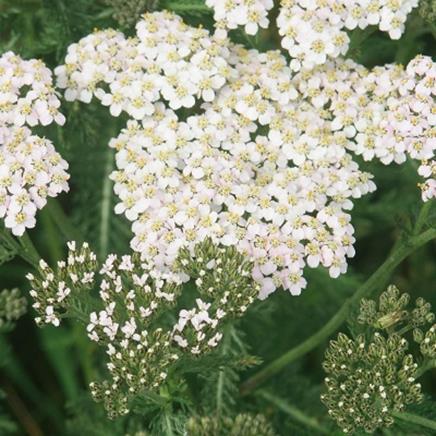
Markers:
<point>295,413</point>
<point>427,364</point>
<point>415,419</point>
<point>62,221</point>
<point>106,204</point>
<point>186,8</point>
<point>375,281</point>
<point>28,251</point>
<point>422,217</point>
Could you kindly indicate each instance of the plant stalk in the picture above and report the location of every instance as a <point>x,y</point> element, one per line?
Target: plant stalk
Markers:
<point>415,419</point>
<point>295,413</point>
<point>62,221</point>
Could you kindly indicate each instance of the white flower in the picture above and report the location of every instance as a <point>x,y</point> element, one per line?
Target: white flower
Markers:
<point>313,32</point>
<point>30,168</point>
<point>251,14</point>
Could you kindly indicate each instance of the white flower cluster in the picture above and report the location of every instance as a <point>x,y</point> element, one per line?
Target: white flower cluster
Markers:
<point>54,291</point>
<point>167,59</point>
<point>30,168</point>
<point>314,30</point>
<point>252,14</point>
<point>389,112</point>
<point>263,163</point>
<point>142,290</point>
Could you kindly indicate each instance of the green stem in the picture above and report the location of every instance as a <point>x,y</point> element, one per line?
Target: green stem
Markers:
<point>403,330</point>
<point>228,332</point>
<point>28,249</point>
<point>415,419</point>
<point>422,217</point>
<point>105,211</point>
<point>187,8</point>
<point>169,427</point>
<point>295,413</point>
<point>428,364</point>
<point>62,221</point>
<point>375,281</point>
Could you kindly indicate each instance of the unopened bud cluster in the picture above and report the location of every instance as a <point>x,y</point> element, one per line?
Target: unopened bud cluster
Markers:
<point>427,342</point>
<point>54,290</point>
<point>369,380</point>
<point>12,306</point>
<point>139,317</point>
<point>30,168</point>
<point>223,279</point>
<point>372,376</point>
<point>427,10</point>
<point>393,311</point>
<point>127,12</point>
<point>138,300</point>
<point>243,424</point>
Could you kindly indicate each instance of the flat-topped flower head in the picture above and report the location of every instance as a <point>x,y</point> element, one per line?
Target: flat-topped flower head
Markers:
<point>166,60</point>
<point>226,143</point>
<point>30,168</point>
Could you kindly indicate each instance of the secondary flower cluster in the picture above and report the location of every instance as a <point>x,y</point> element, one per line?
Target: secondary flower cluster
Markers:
<point>12,306</point>
<point>136,319</point>
<point>30,168</point>
<point>167,59</point>
<point>388,112</point>
<point>54,291</point>
<point>313,31</point>
<point>368,379</point>
<point>251,14</point>
<point>261,160</point>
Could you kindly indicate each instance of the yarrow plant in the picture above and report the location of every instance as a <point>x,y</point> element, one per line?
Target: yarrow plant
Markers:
<point>30,168</point>
<point>246,133</point>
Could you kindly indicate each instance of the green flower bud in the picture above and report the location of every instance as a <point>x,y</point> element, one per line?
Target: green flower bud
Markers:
<point>368,380</point>
<point>12,307</point>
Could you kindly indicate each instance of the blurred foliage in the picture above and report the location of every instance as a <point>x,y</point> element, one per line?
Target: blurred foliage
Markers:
<point>43,370</point>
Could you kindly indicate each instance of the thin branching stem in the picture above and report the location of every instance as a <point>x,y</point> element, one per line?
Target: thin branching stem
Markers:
<point>106,205</point>
<point>415,419</point>
<point>63,222</point>
<point>294,412</point>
